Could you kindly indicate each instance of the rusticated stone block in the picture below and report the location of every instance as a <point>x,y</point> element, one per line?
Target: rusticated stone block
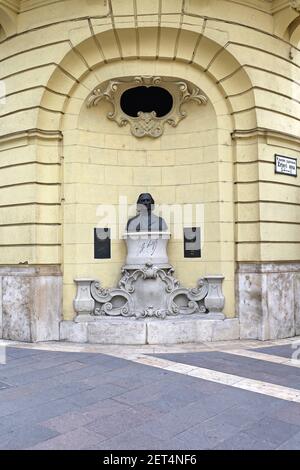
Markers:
<point>17,304</point>
<point>173,331</point>
<point>281,305</point>
<point>31,303</point>
<point>268,300</point>
<point>297,302</point>
<point>73,332</point>
<point>228,329</point>
<point>1,310</point>
<point>110,330</point>
<point>117,331</point>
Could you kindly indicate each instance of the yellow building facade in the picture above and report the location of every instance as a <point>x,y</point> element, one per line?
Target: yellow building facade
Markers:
<point>60,158</point>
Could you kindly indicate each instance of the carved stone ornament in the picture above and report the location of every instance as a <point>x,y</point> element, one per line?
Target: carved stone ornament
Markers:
<point>295,4</point>
<point>149,291</point>
<point>146,123</point>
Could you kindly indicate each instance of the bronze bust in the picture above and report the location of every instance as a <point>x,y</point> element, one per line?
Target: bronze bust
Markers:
<point>146,220</point>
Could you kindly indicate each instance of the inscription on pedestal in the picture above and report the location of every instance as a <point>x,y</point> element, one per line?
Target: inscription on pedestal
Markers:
<point>147,248</point>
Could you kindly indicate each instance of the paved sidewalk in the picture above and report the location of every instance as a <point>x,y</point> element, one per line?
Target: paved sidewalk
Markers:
<point>66,396</point>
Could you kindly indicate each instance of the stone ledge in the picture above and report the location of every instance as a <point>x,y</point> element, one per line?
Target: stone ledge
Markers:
<point>31,271</point>
<point>268,268</point>
<point>150,331</point>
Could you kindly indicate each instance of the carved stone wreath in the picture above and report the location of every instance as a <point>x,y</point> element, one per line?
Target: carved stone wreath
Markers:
<point>146,123</point>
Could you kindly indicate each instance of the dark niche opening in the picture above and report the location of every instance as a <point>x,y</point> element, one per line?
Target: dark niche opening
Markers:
<point>146,99</point>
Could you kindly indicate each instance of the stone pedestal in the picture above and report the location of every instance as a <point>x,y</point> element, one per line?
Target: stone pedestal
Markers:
<point>182,329</point>
<point>147,247</point>
<point>148,291</point>
<point>214,301</point>
<point>149,306</point>
<point>83,303</point>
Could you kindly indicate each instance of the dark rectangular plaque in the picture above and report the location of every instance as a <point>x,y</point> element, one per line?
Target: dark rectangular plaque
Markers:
<point>102,243</point>
<point>192,242</point>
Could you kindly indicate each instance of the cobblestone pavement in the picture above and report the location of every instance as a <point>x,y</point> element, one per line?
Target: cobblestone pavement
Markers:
<point>233,395</point>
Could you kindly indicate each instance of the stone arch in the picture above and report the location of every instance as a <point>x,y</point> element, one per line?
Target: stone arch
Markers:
<point>286,23</point>
<point>182,53</point>
<point>282,20</point>
<point>202,53</point>
<point>294,32</point>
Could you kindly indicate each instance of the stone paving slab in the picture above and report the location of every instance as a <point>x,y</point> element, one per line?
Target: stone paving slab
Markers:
<point>282,351</point>
<point>97,401</point>
<point>272,430</point>
<point>291,444</point>
<point>242,441</point>
<point>3,385</point>
<point>78,439</point>
<point>35,414</point>
<point>238,365</point>
<point>25,436</point>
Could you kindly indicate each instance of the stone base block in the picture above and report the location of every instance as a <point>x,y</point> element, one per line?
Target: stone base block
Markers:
<point>113,331</point>
<point>226,330</point>
<point>73,332</point>
<point>30,303</point>
<point>268,300</point>
<point>190,329</point>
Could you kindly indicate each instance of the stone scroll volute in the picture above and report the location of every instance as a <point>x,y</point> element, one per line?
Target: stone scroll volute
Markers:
<point>147,123</point>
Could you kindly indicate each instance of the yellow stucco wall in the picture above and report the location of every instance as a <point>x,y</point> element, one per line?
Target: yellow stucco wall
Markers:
<point>59,160</point>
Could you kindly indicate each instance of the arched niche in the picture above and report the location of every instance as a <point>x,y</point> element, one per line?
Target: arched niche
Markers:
<point>90,139</point>
<point>104,165</point>
<point>208,56</point>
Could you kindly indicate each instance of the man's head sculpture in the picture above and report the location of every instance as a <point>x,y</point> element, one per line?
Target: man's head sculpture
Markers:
<point>145,200</point>
<point>146,220</point>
